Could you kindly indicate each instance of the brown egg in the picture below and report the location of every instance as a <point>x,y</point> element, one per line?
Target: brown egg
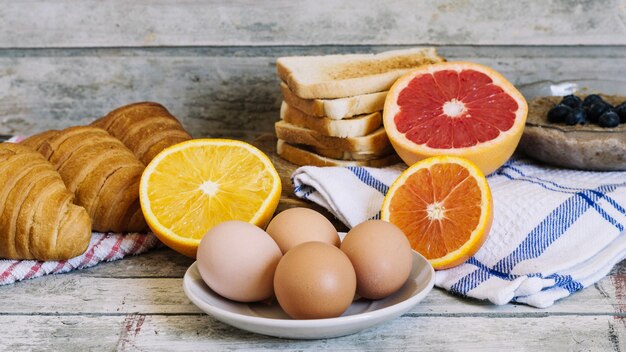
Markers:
<point>314,280</point>
<point>381,255</point>
<point>237,260</point>
<point>298,225</point>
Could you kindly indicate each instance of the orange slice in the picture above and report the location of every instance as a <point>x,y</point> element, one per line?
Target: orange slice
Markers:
<point>192,186</point>
<point>444,206</point>
<point>455,108</point>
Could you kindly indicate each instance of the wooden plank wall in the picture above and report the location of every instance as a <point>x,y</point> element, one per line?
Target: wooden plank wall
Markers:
<point>212,62</point>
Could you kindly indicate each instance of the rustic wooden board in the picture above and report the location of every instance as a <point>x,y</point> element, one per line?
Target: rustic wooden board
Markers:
<point>138,304</point>
<point>139,332</point>
<point>118,23</point>
<point>104,291</point>
<point>608,295</point>
<point>78,293</point>
<point>221,91</point>
<point>211,63</point>
<point>161,263</point>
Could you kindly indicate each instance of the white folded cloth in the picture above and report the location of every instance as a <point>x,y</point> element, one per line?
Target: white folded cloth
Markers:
<point>554,232</point>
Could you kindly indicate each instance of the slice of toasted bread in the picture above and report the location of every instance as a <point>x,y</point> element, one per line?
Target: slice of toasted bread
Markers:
<point>300,156</point>
<point>335,109</point>
<point>340,76</point>
<point>343,155</point>
<point>374,142</point>
<point>356,126</point>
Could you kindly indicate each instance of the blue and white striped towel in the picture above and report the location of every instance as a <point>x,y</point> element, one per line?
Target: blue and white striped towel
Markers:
<point>555,231</point>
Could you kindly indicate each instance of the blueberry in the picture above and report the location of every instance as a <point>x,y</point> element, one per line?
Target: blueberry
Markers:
<point>580,115</point>
<point>609,119</point>
<point>597,109</point>
<point>590,99</point>
<point>558,113</point>
<point>574,117</point>
<point>621,112</point>
<point>572,101</point>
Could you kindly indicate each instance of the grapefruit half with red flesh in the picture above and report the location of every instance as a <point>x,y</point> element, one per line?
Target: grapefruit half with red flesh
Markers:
<point>455,108</point>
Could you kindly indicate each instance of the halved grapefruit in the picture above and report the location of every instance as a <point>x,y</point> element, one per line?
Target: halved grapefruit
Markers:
<point>443,205</point>
<point>455,108</point>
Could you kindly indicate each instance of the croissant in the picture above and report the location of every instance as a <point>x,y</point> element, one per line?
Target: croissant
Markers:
<point>102,173</point>
<point>146,128</point>
<point>35,141</point>
<point>37,217</point>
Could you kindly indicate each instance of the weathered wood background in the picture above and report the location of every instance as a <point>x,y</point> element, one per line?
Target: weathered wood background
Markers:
<point>212,62</point>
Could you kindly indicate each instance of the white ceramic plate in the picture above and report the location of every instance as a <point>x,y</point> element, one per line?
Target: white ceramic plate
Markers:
<point>270,319</point>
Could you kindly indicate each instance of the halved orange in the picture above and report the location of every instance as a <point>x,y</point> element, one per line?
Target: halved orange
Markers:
<point>455,108</point>
<point>444,206</point>
<point>192,186</point>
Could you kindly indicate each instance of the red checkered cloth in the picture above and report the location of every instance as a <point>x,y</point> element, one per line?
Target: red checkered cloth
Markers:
<point>103,247</point>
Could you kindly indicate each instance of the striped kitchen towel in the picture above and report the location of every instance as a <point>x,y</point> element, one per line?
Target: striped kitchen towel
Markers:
<point>555,231</point>
<point>103,247</point>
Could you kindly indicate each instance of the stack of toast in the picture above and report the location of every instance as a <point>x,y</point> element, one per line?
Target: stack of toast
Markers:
<point>331,114</point>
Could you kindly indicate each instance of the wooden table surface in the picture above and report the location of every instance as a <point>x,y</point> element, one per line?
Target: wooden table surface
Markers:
<point>212,64</point>
<point>137,304</point>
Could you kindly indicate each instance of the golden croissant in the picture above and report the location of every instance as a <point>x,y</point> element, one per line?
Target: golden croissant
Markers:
<point>145,128</point>
<point>102,173</point>
<point>37,217</point>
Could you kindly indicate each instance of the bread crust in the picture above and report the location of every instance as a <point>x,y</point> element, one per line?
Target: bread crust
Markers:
<point>374,142</point>
<point>103,174</point>
<point>300,156</point>
<point>340,76</point>
<point>35,141</point>
<point>102,163</point>
<point>343,155</point>
<point>335,109</point>
<point>37,217</point>
<point>356,126</point>
<point>145,128</point>
<point>126,183</point>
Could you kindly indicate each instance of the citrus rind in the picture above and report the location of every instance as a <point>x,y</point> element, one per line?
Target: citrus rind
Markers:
<point>480,232</point>
<point>489,155</point>
<point>188,246</point>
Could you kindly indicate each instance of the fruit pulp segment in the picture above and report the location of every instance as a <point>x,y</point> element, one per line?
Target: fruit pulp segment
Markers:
<point>450,109</point>
<point>222,183</point>
<point>438,208</point>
